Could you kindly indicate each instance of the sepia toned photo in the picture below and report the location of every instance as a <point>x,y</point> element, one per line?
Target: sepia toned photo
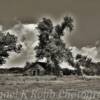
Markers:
<point>49,49</point>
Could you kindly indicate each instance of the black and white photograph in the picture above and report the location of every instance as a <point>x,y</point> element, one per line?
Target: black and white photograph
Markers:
<point>49,49</point>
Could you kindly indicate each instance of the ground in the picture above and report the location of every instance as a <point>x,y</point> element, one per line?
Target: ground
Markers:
<point>17,87</point>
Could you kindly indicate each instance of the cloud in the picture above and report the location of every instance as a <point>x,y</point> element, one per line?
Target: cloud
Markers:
<point>66,65</point>
<point>27,36</point>
<point>92,52</point>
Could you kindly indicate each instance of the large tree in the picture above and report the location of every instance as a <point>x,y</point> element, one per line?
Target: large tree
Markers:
<point>7,44</point>
<point>51,45</point>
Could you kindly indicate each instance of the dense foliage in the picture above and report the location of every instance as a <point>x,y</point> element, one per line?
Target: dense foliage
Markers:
<point>51,46</point>
<point>7,44</point>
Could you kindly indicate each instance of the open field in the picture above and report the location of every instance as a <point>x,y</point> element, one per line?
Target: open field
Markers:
<point>16,87</point>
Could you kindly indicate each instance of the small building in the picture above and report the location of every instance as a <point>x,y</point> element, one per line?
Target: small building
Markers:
<point>36,68</point>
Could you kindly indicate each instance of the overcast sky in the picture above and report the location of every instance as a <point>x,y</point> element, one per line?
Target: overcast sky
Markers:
<point>87,13</point>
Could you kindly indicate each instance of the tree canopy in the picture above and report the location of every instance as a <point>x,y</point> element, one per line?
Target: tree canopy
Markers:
<point>7,44</point>
<point>51,46</point>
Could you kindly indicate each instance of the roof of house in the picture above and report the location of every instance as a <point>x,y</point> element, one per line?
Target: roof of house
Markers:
<point>33,65</point>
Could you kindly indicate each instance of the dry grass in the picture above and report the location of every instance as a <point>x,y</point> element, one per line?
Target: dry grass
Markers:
<point>17,87</point>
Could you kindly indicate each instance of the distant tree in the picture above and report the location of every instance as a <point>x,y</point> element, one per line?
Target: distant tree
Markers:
<point>51,46</point>
<point>7,43</point>
<point>86,63</point>
<point>84,60</point>
<point>78,56</point>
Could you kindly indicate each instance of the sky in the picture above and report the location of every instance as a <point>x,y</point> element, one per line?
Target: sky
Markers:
<point>86,12</point>
<point>86,36</point>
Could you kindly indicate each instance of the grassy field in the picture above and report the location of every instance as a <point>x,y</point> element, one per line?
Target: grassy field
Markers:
<point>17,87</point>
